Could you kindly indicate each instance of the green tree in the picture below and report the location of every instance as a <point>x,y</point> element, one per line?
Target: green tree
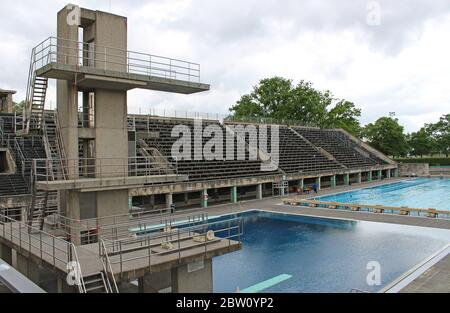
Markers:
<point>18,106</point>
<point>345,115</point>
<point>441,134</point>
<point>280,99</point>
<point>386,135</point>
<point>421,142</point>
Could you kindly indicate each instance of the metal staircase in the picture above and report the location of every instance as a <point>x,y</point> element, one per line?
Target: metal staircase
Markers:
<point>53,145</point>
<point>35,98</point>
<point>152,156</point>
<point>96,283</point>
<point>42,204</point>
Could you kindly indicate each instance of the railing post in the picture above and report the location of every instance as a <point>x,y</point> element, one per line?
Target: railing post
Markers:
<point>54,257</point>
<point>20,235</point>
<point>121,260</point>
<point>40,243</point>
<point>179,246</point>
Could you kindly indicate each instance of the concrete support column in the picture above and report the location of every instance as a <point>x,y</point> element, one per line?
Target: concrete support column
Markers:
<point>369,176</point>
<point>63,287</point>
<point>204,198</point>
<point>318,182</point>
<point>301,184</point>
<point>234,194</point>
<point>169,200</point>
<point>259,194</point>
<point>28,268</point>
<point>346,179</point>
<point>152,201</point>
<point>193,278</point>
<point>358,178</point>
<point>282,191</point>
<point>396,172</point>
<point>153,282</point>
<point>380,174</point>
<point>6,253</point>
<point>388,173</point>
<point>333,181</point>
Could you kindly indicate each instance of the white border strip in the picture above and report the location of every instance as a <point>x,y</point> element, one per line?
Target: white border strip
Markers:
<point>360,188</point>
<point>404,280</point>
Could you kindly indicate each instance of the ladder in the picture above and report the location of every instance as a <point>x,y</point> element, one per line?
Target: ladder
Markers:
<point>35,98</point>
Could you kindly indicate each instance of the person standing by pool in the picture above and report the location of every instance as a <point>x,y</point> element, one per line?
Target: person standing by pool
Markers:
<point>315,188</point>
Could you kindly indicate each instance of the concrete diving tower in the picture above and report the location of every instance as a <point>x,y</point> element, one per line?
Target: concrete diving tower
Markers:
<point>92,165</point>
<point>102,60</point>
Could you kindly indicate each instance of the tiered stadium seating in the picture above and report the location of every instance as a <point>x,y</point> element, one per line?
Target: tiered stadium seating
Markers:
<point>296,155</point>
<point>13,185</point>
<point>197,170</point>
<point>336,146</point>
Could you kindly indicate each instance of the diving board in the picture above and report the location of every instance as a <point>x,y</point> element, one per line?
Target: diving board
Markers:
<point>266,284</point>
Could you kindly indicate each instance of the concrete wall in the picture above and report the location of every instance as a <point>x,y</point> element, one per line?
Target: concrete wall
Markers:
<point>414,169</point>
<point>198,281</point>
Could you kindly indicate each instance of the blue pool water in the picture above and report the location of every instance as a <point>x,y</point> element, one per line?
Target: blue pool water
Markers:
<point>419,193</point>
<point>308,254</point>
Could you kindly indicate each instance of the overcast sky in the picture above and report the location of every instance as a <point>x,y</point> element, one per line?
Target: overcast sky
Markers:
<point>394,61</point>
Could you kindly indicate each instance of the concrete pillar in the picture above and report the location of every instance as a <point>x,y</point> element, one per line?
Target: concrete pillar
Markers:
<point>318,182</point>
<point>28,268</point>
<point>6,253</point>
<point>282,191</point>
<point>369,176</point>
<point>259,194</point>
<point>380,174</point>
<point>396,172</point>
<point>110,132</point>
<point>358,178</point>
<point>169,200</point>
<point>234,194</point>
<point>346,179</point>
<point>153,282</point>
<point>193,278</point>
<point>333,181</point>
<point>152,201</point>
<point>204,198</point>
<point>388,173</point>
<point>63,287</point>
<point>301,184</point>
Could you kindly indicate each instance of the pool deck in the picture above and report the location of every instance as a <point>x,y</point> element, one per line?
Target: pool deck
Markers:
<point>435,279</point>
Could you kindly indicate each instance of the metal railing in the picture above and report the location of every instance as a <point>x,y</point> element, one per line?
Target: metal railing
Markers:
<point>69,52</point>
<point>83,168</point>
<point>176,241</point>
<point>120,226</point>
<point>47,247</point>
<point>2,142</point>
<point>107,268</point>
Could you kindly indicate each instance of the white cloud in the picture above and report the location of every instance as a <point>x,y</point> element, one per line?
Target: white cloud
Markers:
<point>398,66</point>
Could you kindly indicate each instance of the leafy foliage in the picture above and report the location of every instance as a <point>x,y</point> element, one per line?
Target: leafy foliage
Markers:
<point>278,98</point>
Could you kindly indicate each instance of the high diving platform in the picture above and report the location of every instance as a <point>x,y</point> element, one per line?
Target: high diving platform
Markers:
<point>94,66</point>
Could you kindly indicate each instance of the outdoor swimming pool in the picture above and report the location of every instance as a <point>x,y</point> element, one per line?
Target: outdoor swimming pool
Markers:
<point>419,193</point>
<point>293,253</point>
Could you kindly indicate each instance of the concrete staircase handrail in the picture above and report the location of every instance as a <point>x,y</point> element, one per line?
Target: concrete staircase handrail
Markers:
<point>367,147</point>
